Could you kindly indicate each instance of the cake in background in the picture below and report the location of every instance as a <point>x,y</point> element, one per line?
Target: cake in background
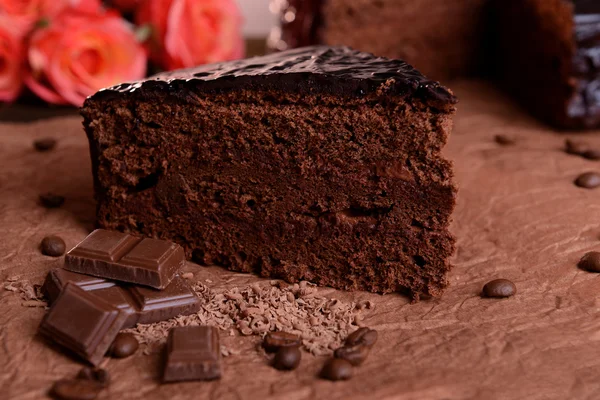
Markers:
<point>443,39</point>
<point>548,57</point>
<point>545,52</point>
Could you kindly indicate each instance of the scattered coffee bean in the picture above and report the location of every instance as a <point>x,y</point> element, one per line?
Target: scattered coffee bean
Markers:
<point>276,340</point>
<point>588,180</point>
<point>590,261</point>
<point>362,336</point>
<point>499,288</point>
<point>355,355</point>
<point>287,358</point>
<point>75,389</point>
<point>592,154</point>
<point>575,147</point>
<point>53,246</point>
<point>124,345</point>
<point>337,369</point>
<point>97,375</point>
<point>50,200</point>
<point>504,140</point>
<point>44,144</point>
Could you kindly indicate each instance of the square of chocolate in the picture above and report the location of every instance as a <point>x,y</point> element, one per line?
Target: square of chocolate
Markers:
<point>126,258</point>
<point>158,305</point>
<point>83,323</point>
<point>193,353</point>
<point>59,277</point>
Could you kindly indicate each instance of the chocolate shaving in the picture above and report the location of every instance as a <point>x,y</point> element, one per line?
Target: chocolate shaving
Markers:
<point>30,294</point>
<point>254,310</point>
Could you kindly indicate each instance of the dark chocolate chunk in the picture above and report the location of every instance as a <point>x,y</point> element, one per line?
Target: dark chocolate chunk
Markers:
<point>287,358</point>
<point>499,288</point>
<point>75,389</point>
<point>193,353</point>
<point>50,200</point>
<point>505,140</point>
<point>362,336</point>
<point>275,340</point>
<point>122,257</point>
<point>337,369</point>
<point>143,305</point>
<point>590,261</point>
<point>82,323</point>
<point>124,345</point>
<point>53,246</point>
<point>98,375</point>
<point>356,355</point>
<point>588,180</point>
<point>44,144</point>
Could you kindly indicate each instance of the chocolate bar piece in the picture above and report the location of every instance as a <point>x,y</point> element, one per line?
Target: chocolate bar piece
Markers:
<point>193,353</point>
<point>122,257</point>
<point>144,305</point>
<point>83,323</point>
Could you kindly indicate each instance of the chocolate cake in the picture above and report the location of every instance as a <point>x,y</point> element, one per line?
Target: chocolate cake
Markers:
<point>442,38</point>
<point>321,164</point>
<point>549,58</point>
<point>545,52</point>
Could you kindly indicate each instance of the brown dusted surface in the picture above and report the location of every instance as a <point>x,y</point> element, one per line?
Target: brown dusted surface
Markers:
<point>519,217</point>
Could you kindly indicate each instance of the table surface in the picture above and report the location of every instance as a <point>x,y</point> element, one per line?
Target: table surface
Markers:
<point>518,217</point>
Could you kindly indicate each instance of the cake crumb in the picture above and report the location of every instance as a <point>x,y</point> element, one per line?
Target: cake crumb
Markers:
<point>187,275</point>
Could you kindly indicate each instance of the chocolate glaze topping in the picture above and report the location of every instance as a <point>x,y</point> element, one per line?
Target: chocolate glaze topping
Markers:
<point>317,69</point>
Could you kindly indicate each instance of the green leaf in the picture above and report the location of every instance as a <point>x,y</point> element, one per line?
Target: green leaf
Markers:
<point>42,23</point>
<point>143,33</point>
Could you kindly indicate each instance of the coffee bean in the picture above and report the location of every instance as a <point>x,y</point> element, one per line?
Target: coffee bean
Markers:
<point>499,288</point>
<point>590,261</point>
<point>575,147</point>
<point>53,246</point>
<point>50,200</point>
<point>593,154</point>
<point>355,355</point>
<point>589,180</point>
<point>44,144</point>
<point>97,375</point>
<point>362,336</point>
<point>337,369</point>
<point>75,389</point>
<point>504,140</point>
<point>275,340</point>
<point>287,358</point>
<point>124,345</point>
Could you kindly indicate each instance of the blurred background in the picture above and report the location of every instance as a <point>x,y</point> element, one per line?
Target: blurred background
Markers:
<point>58,52</point>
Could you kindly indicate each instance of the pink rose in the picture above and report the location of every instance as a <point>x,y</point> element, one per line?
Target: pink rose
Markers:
<point>187,33</point>
<point>80,53</point>
<point>12,53</point>
<point>28,12</point>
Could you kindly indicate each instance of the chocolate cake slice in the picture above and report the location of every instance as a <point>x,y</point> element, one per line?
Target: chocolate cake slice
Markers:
<point>321,164</point>
<point>548,56</point>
